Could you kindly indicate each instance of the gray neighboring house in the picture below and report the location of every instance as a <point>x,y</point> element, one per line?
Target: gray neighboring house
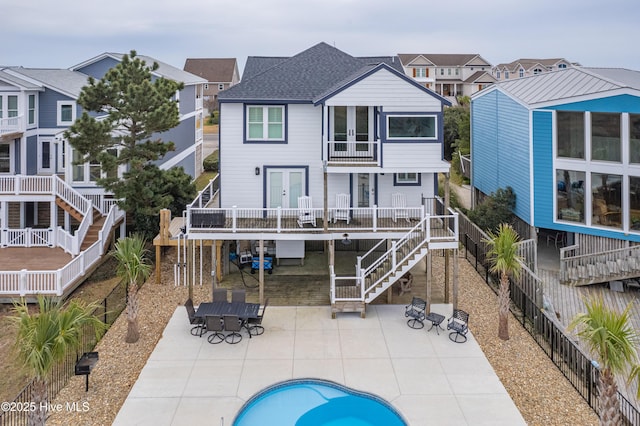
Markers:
<point>220,74</point>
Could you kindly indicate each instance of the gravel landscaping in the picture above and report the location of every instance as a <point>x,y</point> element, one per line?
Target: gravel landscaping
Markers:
<point>538,388</point>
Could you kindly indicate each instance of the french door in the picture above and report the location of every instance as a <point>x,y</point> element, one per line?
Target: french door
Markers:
<point>284,186</point>
<point>351,124</point>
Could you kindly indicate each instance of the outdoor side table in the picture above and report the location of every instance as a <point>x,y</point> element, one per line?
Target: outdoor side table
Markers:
<point>436,320</point>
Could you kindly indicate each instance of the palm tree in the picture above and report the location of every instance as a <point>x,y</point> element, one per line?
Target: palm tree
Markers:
<point>613,340</point>
<point>44,338</point>
<point>133,268</point>
<point>504,258</point>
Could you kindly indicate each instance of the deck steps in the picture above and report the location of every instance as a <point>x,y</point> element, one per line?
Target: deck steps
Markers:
<point>92,233</point>
<point>69,209</point>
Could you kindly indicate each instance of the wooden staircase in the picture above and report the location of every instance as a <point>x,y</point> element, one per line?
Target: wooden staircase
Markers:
<point>93,231</point>
<point>607,265</point>
<point>69,209</point>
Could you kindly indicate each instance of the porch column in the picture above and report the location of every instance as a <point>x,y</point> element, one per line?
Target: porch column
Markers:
<point>428,273</point>
<point>261,270</point>
<point>455,278</point>
<point>447,253</point>
<point>215,283</point>
<point>218,248</point>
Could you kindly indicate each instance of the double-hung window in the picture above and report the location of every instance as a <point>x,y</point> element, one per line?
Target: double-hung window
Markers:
<point>265,123</point>
<point>32,109</point>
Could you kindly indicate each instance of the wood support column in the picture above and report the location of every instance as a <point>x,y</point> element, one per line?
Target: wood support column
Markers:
<point>261,271</point>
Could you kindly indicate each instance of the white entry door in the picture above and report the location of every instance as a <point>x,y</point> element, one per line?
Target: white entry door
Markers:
<point>284,186</point>
<point>364,189</point>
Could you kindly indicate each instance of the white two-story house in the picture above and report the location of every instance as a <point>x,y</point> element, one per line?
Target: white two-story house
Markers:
<point>46,202</point>
<point>326,146</point>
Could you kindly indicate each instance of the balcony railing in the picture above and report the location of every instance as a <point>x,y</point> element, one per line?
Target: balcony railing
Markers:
<point>11,125</point>
<point>280,220</point>
<point>349,152</point>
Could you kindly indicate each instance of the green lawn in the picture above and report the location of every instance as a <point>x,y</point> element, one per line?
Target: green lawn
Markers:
<point>203,179</point>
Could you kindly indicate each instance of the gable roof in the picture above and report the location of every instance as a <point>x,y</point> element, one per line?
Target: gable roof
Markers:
<point>480,77</point>
<point>216,70</point>
<point>64,81</point>
<point>563,85</point>
<point>164,70</point>
<point>528,63</point>
<point>9,76</point>
<point>300,78</point>
<point>444,59</point>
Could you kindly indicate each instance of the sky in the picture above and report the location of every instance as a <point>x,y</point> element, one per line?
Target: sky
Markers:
<point>63,33</point>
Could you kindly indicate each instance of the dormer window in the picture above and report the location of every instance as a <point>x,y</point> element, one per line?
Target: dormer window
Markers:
<point>498,74</point>
<point>562,66</point>
<point>521,72</point>
<point>537,71</point>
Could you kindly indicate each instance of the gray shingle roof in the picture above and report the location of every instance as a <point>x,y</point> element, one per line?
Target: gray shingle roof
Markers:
<point>64,81</point>
<point>8,75</point>
<point>302,77</point>
<point>563,85</point>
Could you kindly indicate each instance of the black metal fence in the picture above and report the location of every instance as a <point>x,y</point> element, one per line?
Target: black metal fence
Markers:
<point>108,311</point>
<point>574,364</point>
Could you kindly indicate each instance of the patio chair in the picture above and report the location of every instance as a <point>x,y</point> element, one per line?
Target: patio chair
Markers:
<point>198,324</point>
<point>220,295</point>
<point>254,325</point>
<point>416,312</point>
<point>232,324</point>
<point>305,212</point>
<point>214,324</point>
<point>238,295</point>
<point>342,208</point>
<point>399,204</point>
<point>459,324</point>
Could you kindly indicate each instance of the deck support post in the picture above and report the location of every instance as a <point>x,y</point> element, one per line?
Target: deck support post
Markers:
<point>447,253</point>
<point>261,270</point>
<point>428,272</point>
<point>455,279</point>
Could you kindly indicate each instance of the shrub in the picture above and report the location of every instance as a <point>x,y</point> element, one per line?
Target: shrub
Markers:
<point>497,208</point>
<point>214,118</point>
<point>211,163</point>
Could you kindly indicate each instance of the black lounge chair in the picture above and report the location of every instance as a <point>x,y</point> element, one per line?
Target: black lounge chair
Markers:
<point>233,324</point>
<point>214,324</point>
<point>459,324</point>
<point>416,312</point>
<point>254,325</point>
<point>198,324</point>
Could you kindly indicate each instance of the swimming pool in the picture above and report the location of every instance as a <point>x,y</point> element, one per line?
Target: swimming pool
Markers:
<point>316,402</point>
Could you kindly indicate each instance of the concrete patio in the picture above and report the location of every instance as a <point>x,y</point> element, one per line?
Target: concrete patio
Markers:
<point>428,378</point>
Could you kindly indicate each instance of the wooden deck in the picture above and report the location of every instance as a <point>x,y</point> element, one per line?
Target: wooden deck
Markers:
<point>33,258</point>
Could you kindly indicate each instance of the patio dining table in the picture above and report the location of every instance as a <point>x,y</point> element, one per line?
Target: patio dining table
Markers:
<point>243,310</point>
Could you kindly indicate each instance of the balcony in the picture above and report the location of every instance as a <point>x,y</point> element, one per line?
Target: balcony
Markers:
<point>11,127</point>
<point>354,153</point>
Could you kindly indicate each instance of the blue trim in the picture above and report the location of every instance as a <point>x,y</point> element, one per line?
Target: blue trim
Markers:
<point>351,190</point>
<point>265,141</point>
<point>439,125</point>
<point>264,179</point>
<point>419,183</point>
<point>264,101</point>
<point>375,189</point>
<point>219,154</point>
<point>374,70</point>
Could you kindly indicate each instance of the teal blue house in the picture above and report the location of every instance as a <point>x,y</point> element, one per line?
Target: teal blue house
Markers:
<point>568,143</point>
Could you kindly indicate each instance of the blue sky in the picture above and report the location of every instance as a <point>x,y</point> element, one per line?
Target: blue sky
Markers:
<point>62,33</point>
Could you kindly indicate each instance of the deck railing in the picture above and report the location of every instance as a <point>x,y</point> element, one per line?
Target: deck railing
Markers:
<point>366,152</point>
<point>207,194</point>
<point>27,283</point>
<point>280,220</point>
<point>11,124</point>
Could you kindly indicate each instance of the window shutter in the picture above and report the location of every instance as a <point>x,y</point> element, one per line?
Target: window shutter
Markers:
<point>414,72</point>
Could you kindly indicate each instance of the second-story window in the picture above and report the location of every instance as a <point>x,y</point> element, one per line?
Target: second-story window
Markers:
<point>506,75</point>
<point>66,113</point>
<point>32,109</point>
<point>221,86</point>
<point>498,74</point>
<point>265,123</point>
<point>411,127</point>
<point>12,106</point>
<point>421,72</point>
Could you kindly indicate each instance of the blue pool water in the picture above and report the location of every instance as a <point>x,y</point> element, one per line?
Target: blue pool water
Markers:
<point>315,402</point>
